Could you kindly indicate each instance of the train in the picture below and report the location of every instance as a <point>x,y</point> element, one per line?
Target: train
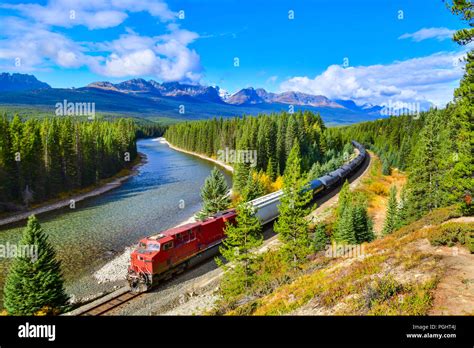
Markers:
<point>169,252</point>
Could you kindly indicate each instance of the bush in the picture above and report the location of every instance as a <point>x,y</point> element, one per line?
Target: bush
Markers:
<point>470,241</point>
<point>381,290</point>
<point>378,189</point>
<point>452,233</point>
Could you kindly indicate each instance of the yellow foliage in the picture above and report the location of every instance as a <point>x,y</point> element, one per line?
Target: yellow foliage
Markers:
<point>378,188</point>
<point>264,180</point>
<point>278,184</point>
<point>47,310</point>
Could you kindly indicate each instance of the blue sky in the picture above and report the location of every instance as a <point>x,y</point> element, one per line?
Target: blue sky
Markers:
<point>404,55</point>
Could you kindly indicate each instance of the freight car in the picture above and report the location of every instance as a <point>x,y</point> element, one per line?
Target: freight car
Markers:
<point>266,207</point>
<point>171,251</point>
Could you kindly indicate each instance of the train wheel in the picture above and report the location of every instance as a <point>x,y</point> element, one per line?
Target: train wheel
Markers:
<point>142,287</point>
<point>134,286</point>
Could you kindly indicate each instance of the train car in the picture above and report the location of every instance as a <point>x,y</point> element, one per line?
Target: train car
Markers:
<point>175,249</point>
<point>316,186</point>
<point>266,207</point>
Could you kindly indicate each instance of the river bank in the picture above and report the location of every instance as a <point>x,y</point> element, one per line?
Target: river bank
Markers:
<point>219,163</point>
<point>107,185</point>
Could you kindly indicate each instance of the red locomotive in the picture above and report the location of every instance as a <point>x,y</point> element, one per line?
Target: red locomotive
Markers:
<point>176,249</point>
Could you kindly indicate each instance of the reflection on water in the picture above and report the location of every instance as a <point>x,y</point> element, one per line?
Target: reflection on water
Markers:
<point>101,227</point>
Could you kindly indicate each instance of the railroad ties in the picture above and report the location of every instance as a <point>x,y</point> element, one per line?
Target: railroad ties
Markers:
<point>110,304</point>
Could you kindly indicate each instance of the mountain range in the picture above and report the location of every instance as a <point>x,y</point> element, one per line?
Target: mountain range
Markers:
<point>150,98</point>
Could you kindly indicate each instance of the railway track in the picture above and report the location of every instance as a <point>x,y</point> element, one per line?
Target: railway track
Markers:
<point>114,302</point>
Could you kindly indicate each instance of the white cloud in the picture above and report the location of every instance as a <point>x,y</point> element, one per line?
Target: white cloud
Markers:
<point>425,79</point>
<point>94,14</point>
<point>166,57</point>
<point>34,46</point>
<point>429,33</point>
<point>38,46</point>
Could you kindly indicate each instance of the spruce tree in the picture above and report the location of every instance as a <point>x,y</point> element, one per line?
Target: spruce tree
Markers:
<point>363,228</point>
<point>386,170</point>
<point>35,282</point>
<point>241,238</point>
<point>428,170</point>
<point>271,172</point>
<point>459,181</point>
<point>292,227</point>
<point>253,189</point>
<point>214,194</point>
<point>344,199</point>
<point>402,210</point>
<point>345,230</point>
<point>320,239</point>
<point>391,217</point>
<point>341,232</point>
<point>242,168</point>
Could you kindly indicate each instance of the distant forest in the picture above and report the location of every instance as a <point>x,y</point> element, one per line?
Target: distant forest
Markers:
<point>41,158</point>
<point>271,136</point>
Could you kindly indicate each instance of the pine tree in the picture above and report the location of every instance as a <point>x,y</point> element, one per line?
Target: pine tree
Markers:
<point>35,282</point>
<point>271,172</point>
<point>391,217</point>
<point>402,210</point>
<point>253,189</point>
<point>241,238</point>
<point>292,227</point>
<point>320,239</point>
<point>363,228</point>
<point>429,167</point>
<point>345,230</point>
<point>214,194</point>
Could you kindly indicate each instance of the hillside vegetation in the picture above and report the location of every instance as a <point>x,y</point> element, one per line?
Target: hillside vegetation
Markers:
<point>393,275</point>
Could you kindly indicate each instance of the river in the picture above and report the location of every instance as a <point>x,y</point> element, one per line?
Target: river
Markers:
<point>98,229</point>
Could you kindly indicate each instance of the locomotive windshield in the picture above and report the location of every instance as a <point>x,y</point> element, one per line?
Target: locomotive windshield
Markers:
<point>153,246</point>
<point>144,247</point>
